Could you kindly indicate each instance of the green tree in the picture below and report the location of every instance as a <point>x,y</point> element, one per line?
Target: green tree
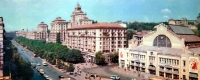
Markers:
<point>59,64</point>
<point>195,32</point>
<point>114,57</point>
<point>129,34</point>
<point>70,68</point>
<point>58,38</point>
<point>100,58</point>
<point>198,28</point>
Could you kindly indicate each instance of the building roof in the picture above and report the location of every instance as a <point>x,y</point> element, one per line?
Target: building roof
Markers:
<point>181,29</point>
<point>98,26</point>
<point>195,50</point>
<point>190,38</point>
<point>160,50</point>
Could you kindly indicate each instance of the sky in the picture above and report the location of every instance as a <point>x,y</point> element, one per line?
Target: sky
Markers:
<point>27,14</point>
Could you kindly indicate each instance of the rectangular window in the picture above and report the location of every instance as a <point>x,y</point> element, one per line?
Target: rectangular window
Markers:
<point>183,63</point>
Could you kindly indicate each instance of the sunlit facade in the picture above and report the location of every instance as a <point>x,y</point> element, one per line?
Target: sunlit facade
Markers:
<point>1,45</point>
<point>92,38</point>
<point>40,34</point>
<point>169,51</point>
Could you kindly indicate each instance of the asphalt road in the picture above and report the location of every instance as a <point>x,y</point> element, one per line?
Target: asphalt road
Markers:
<point>28,56</point>
<point>106,72</point>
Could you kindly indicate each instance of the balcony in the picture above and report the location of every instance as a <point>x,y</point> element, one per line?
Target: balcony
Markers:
<point>175,72</point>
<point>161,69</point>
<point>153,68</point>
<point>168,71</point>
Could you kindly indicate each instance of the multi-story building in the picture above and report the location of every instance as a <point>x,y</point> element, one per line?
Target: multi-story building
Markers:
<point>1,45</point>
<point>169,51</point>
<point>184,22</point>
<point>137,39</point>
<point>92,38</point>
<point>40,34</point>
<point>59,25</point>
<point>78,17</point>
<point>42,31</point>
<point>21,33</point>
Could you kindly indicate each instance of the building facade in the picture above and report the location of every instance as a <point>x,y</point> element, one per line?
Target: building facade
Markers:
<point>1,45</point>
<point>78,17</point>
<point>40,34</point>
<point>137,39</point>
<point>96,37</point>
<point>42,31</point>
<point>169,51</point>
<point>184,22</point>
<point>59,25</point>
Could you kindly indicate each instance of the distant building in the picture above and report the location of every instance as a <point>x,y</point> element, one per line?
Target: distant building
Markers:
<point>170,51</point>
<point>184,22</point>
<point>11,34</point>
<point>40,34</point>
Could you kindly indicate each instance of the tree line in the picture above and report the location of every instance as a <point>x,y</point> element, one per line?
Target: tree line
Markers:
<point>19,68</point>
<point>51,51</point>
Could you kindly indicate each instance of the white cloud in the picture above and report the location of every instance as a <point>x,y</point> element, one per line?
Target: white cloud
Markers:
<point>166,11</point>
<point>165,16</point>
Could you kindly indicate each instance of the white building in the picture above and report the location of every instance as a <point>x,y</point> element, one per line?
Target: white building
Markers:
<point>169,51</point>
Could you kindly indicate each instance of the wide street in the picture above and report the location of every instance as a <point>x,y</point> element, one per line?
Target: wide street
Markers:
<point>49,70</point>
<point>106,71</point>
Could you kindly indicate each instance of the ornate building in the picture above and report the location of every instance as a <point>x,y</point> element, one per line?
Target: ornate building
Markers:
<point>169,52</point>
<point>92,38</point>
<point>42,31</point>
<point>78,17</point>
<point>59,25</point>
<point>40,34</point>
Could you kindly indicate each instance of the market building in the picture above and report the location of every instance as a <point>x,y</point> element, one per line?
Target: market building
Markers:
<point>169,51</point>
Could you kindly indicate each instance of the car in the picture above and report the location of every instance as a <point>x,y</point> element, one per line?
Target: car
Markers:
<point>44,63</point>
<point>115,77</point>
<point>61,76</point>
<point>42,71</point>
<point>71,73</point>
<point>38,64</point>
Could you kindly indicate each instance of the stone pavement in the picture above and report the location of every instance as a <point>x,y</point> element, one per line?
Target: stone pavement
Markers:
<point>134,74</point>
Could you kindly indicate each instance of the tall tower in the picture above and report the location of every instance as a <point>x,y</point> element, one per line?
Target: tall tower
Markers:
<point>78,17</point>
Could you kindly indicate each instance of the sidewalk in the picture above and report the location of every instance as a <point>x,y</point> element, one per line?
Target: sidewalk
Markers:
<point>134,74</point>
<point>81,66</point>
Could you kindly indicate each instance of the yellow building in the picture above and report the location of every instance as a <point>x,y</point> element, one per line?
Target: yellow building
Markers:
<point>105,37</point>
<point>169,51</point>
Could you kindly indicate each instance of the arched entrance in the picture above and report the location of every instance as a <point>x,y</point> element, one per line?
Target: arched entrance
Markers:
<point>152,69</point>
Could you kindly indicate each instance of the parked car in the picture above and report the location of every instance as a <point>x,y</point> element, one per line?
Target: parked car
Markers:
<point>38,64</point>
<point>71,73</point>
<point>115,77</point>
<point>61,76</point>
<point>44,63</point>
<point>41,71</point>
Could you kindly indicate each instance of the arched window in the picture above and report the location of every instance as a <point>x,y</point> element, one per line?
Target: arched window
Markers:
<point>162,41</point>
